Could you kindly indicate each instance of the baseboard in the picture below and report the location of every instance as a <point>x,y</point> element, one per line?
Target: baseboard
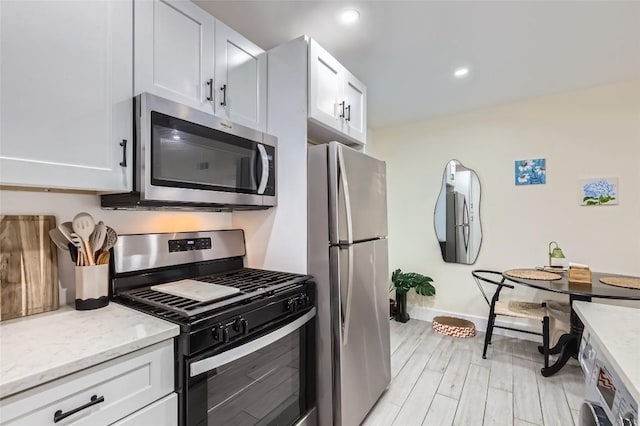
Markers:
<point>427,314</point>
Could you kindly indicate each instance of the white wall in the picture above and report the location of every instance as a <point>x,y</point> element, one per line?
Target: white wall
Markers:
<point>64,206</point>
<point>582,134</point>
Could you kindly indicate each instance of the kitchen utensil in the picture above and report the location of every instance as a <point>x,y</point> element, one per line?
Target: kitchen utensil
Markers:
<point>59,239</point>
<point>110,240</point>
<point>97,237</point>
<point>84,225</point>
<point>66,229</point>
<point>73,251</point>
<point>28,266</point>
<point>82,254</point>
<point>103,258</point>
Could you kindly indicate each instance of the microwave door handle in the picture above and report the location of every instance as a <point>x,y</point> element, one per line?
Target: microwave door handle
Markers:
<point>226,357</point>
<point>264,178</point>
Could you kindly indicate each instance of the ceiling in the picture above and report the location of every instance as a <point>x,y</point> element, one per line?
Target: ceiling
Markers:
<point>405,51</point>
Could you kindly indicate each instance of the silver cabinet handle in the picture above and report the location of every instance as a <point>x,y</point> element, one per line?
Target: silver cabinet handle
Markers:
<point>264,178</point>
<point>226,357</point>
<point>342,104</point>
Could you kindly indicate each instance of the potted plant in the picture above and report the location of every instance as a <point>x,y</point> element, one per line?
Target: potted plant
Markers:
<point>402,282</point>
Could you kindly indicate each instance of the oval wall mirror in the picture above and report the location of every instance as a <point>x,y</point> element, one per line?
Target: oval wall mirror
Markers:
<point>457,214</point>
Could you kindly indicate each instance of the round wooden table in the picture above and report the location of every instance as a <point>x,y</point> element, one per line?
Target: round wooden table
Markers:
<point>569,344</point>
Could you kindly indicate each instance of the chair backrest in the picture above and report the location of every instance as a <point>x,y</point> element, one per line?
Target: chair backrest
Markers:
<point>491,277</point>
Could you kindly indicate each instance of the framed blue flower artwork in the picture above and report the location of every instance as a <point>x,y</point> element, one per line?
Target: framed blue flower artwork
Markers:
<point>599,191</point>
<point>531,172</point>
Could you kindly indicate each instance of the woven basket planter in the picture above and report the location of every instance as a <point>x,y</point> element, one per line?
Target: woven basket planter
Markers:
<point>454,327</point>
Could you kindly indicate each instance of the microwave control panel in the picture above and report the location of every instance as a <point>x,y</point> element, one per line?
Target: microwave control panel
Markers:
<point>188,244</point>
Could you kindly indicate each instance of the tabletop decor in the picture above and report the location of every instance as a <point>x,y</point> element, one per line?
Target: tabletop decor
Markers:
<point>555,255</point>
<point>454,327</point>
<point>626,282</point>
<point>531,172</point>
<point>402,282</point>
<point>533,274</point>
<point>599,191</point>
<point>580,274</point>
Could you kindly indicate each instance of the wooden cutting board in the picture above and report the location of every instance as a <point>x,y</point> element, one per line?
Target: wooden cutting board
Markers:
<point>28,266</point>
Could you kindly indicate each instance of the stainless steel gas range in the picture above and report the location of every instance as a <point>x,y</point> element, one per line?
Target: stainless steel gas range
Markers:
<point>246,350</point>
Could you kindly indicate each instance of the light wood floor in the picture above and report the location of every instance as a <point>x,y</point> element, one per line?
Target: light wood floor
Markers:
<point>438,380</point>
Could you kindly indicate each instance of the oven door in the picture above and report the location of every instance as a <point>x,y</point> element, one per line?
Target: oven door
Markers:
<point>268,380</point>
<point>191,156</point>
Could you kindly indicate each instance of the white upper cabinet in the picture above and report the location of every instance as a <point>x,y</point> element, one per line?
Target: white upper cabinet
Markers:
<point>355,117</point>
<point>66,84</point>
<point>337,99</point>
<point>325,87</point>
<point>184,54</point>
<point>241,79</point>
<point>174,52</point>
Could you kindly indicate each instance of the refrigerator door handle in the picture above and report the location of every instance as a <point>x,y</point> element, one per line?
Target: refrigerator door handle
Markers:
<point>346,313</point>
<point>347,197</point>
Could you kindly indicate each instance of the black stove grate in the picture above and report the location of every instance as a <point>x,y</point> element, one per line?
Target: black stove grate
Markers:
<point>251,282</point>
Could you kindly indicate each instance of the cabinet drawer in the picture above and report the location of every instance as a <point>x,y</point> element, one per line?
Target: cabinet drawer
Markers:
<point>160,413</point>
<point>127,384</point>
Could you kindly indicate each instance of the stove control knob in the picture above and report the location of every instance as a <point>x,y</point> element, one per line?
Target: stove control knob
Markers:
<point>292,306</point>
<point>241,325</point>
<point>216,332</point>
<point>225,335</point>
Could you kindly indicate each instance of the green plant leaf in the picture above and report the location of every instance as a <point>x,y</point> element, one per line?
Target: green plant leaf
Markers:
<point>402,282</point>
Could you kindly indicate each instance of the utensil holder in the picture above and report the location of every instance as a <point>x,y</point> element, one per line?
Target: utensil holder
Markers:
<point>92,287</point>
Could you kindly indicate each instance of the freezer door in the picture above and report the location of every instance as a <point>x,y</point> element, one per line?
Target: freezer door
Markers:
<point>357,196</point>
<point>362,368</point>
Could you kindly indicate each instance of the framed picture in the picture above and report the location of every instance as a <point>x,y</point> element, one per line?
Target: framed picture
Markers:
<point>531,172</point>
<point>599,191</point>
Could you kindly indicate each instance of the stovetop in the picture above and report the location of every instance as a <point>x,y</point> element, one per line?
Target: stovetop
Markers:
<point>253,284</point>
<point>265,297</point>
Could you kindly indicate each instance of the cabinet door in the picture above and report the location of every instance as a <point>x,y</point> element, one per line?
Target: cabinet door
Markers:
<point>355,120</point>
<point>241,79</point>
<point>66,83</point>
<point>174,43</point>
<point>325,87</point>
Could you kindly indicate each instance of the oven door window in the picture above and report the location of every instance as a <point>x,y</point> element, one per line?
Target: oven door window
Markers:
<point>266,387</point>
<point>187,155</point>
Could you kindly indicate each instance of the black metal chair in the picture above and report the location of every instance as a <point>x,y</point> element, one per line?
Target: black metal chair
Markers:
<point>510,308</point>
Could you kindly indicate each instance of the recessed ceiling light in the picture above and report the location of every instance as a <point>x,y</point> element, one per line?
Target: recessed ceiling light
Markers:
<point>349,16</point>
<point>176,137</point>
<point>461,72</point>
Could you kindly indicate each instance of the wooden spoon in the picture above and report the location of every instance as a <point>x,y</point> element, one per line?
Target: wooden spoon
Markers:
<point>84,225</point>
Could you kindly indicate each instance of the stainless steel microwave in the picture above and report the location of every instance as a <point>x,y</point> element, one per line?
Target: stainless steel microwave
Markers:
<point>186,158</point>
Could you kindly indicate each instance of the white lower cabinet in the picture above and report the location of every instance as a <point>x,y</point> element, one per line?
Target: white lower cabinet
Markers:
<point>100,395</point>
<point>160,413</point>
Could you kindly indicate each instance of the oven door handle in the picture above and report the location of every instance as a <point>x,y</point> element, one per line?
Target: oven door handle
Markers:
<point>226,357</point>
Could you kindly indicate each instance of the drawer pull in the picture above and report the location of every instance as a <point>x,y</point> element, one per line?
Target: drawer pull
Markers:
<point>59,415</point>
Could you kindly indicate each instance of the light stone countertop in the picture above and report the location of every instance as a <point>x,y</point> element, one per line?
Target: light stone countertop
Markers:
<point>616,331</point>
<point>40,348</point>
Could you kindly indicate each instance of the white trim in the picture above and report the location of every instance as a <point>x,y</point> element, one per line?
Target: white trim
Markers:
<point>427,314</point>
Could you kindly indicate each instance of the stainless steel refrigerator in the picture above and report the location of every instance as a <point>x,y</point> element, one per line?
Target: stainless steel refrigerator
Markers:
<point>348,256</point>
<point>458,228</point>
